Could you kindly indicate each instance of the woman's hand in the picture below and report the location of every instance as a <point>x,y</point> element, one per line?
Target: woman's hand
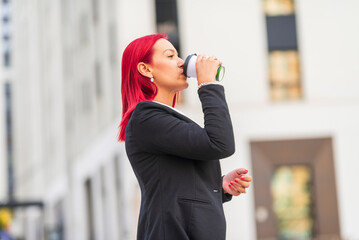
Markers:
<point>207,68</point>
<point>236,182</point>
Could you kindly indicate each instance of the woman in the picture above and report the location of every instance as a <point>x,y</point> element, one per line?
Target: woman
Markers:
<point>175,160</point>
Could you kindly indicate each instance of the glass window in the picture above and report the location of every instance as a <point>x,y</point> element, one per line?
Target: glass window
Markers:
<point>58,232</point>
<point>9,138</point>
<point>292,201</point>
<point>6,33</point>
<point>89,203</point>
<point>278,7</point>
<point>282,32</point>
<point>284,75</point>
<point>284,65</point>
<point>167,22</point>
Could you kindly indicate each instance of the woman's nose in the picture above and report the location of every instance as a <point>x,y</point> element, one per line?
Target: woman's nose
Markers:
<point>180,62</point>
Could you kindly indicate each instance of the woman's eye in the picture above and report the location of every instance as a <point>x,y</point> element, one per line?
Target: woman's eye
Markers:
<point>171,56</point>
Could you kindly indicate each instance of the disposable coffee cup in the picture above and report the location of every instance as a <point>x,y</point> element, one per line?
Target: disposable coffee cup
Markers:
<point>189,68</point>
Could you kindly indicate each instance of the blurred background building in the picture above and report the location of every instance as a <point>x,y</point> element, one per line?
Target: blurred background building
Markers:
<point>292,84</point>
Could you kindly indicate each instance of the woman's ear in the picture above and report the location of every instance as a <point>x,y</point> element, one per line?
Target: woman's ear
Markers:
<point>144,70</point>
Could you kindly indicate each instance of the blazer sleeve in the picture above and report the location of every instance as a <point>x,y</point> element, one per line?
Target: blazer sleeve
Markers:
<point>159,131</point>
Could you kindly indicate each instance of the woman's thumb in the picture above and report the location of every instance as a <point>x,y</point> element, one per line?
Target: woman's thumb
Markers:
<point>241,171</point>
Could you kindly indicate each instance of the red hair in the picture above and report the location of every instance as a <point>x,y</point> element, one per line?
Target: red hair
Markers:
<point>135,87</point>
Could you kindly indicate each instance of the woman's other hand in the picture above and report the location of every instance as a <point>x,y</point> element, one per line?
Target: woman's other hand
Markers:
<point>207,68</point>
<point>236,182</point>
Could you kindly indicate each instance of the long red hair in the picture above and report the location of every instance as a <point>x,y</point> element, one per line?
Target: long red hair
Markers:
<point>135,87</point>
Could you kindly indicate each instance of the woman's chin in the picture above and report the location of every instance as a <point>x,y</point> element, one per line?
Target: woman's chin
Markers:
<point>185,85</point>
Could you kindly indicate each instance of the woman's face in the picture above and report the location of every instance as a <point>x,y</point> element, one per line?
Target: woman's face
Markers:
<point>167,67</point>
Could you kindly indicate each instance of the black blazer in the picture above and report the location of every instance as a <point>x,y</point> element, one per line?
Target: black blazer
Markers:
<point>177,167</point>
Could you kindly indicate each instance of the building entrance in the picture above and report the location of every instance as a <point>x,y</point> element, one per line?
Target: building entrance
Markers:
<point>295,189</point>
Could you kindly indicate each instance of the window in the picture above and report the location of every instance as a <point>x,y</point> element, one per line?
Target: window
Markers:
<point>9,136</point>
<point>284,75</point>
<point>167,22</point>
<point>292,201</point>
<point>278,7</point>
<point>6,33</point>
<point>283,54</point>
<point>59,227</point>
<point>281,33</point>
<point>90,213</point>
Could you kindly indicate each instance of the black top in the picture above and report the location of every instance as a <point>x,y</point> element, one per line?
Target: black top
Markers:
<point>177,167</point>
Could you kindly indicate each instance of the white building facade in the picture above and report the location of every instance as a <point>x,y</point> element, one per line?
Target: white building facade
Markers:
<point>67,107</point>
<point>3,164</point>
<point>5,82</point>
<point>66,116</point>
<point>328,108</point>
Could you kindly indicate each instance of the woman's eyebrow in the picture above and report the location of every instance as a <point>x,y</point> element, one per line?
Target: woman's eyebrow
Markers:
<point>170,50</point>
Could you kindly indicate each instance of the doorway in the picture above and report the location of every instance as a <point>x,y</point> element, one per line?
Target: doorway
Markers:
<point>295,189</point>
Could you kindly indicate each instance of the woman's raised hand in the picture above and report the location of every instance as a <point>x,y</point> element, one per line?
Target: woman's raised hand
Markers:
<point>206,68</point>
<point>236,182</point>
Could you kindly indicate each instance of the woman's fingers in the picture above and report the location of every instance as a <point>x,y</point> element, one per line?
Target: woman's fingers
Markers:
<point>236,181</point>
<point>246,178</point>
<point>206,69</point>
<point>237,187</point>
<point>233,191</point>
<point>242,183</point>
<point>206,59</point>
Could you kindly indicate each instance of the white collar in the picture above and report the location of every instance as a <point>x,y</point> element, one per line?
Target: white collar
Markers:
<point>171,108</point>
